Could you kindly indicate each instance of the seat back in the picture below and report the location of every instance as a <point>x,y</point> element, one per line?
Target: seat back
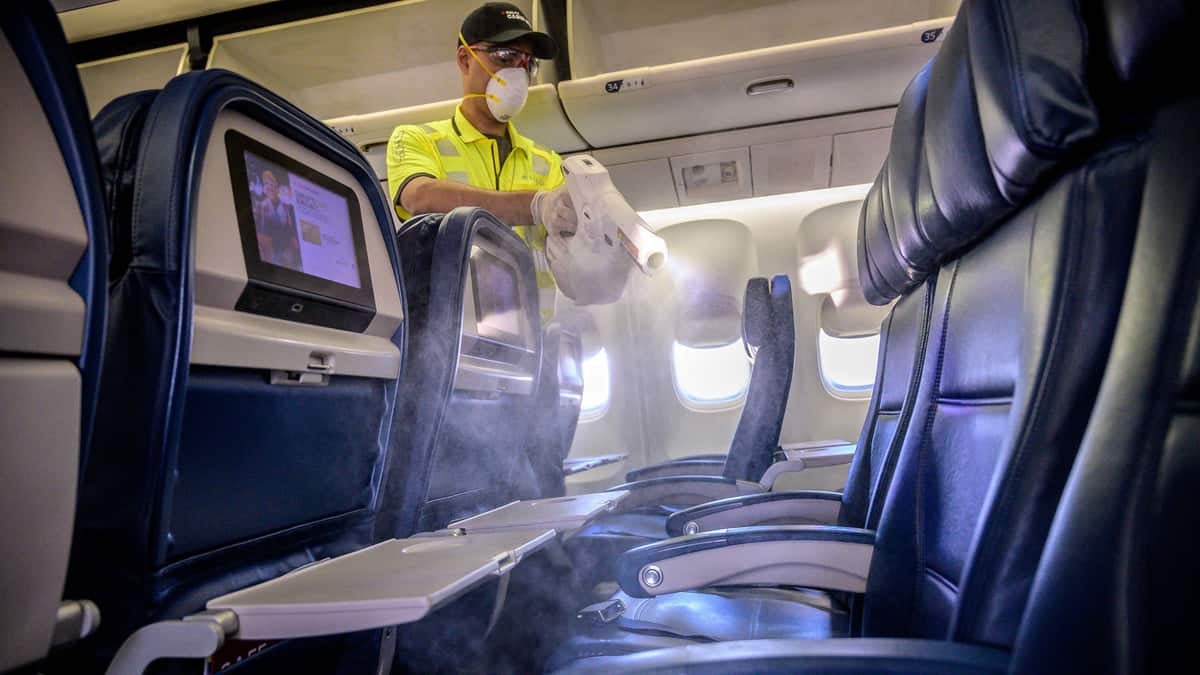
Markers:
<point>253,355</point>
<point>1117,587</point>
<point>469,397</point>
<point>52,308</point>
<point>1002,180</point>
<point>902,340</point>
<point>769,333</point>
<point>559,397</point>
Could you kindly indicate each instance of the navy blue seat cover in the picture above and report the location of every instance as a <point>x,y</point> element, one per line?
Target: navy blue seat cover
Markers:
<point>463,453</point>
<point>1117,589</point>
<point>208,479</point>
<point>560,395</point>
<point>1024,206</point>
<point>769,334</point>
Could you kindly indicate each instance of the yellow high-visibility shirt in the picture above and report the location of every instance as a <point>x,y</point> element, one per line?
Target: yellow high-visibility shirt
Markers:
<point>455,150</point>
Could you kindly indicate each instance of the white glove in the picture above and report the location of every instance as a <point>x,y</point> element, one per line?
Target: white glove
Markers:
<point>553,210</point>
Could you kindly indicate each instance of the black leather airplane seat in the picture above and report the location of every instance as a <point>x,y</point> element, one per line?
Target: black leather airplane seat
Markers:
<point>560,397</point>
<point>469,396</point>
<point>768,331</point>
<point>239,436</point>
<point>1003,182</point>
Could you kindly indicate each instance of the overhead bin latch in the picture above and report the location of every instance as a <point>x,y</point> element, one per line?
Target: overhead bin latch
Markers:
<point>770,86</point>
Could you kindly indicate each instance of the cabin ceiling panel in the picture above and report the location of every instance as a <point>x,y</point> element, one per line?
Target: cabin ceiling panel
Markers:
<point>122,16</point>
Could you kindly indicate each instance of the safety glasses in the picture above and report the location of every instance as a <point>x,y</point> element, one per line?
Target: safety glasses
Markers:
<point>507,57</point>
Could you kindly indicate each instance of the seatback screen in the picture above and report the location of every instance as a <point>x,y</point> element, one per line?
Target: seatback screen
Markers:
<point>497,297</point>
<point>299,224</point>
<point>302,239</point>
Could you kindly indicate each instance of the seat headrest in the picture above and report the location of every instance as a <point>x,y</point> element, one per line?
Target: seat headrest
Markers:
<point>782,316</point>
<point>1146,42</point>
<point>1003,104</point>
<point>118,127</point>
<point>756,313</point>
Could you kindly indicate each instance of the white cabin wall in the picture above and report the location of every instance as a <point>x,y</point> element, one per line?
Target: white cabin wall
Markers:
<point>620,429</point>
<point>674,430</point>
<point>639,334</point>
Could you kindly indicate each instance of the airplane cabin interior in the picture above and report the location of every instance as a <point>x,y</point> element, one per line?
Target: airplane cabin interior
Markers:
<point>911,386</point>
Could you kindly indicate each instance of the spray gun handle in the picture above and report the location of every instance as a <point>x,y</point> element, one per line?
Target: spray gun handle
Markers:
<point>604,213</point>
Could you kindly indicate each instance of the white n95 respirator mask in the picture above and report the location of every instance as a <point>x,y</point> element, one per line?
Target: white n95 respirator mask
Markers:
<point>507,92</point>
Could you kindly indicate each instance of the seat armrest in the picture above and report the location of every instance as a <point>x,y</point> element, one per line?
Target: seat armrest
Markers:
<point>574,465</point>
<point>800,456</point>
<point>689,466</point>
<point>805,446</point>
<point>720,456</point>
<point>819,556</point>
<point>682,490</point>
<point>837,655</point>
<point>798,507</point>
<point>813,556</point>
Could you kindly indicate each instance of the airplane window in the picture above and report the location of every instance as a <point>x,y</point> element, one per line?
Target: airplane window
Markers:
<point>711,378</point>
<point>596,387</point>
<point>848,364</point>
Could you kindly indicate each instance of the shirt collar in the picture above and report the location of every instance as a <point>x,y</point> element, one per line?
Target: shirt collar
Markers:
<point>469,134</point>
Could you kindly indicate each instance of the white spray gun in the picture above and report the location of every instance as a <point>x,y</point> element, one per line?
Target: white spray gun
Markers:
<point>604,215</point>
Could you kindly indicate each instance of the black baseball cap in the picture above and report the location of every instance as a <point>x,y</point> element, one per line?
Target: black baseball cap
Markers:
<point>501,22</point>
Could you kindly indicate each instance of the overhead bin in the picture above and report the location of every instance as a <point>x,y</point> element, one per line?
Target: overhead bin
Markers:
<point>107,79</point>
<point>542,119</point>
<point>823,76</point>
<point>612,35</point>
<point>763,86</point>
<point>385,57</point>
<point>766,160</point>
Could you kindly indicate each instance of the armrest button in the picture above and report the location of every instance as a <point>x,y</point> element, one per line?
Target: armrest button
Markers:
<point>692,527</point>
<point>652,576</point>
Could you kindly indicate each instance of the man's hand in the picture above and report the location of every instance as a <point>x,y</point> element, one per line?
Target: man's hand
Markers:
<point>554,210</point>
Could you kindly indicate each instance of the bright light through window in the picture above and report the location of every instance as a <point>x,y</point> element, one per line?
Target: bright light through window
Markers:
<point>712,377</point>
<point>596,386</point>
<point>848,364</point>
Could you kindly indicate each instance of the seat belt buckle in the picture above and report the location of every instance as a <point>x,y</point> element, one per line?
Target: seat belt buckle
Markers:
<point>602,612</point>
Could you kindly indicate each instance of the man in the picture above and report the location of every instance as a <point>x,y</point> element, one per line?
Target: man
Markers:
<point>276,224</point>
<point>477,158</point>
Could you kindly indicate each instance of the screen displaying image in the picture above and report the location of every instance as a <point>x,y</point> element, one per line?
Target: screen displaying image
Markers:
<point>300,225</point>
<point>497,295</point>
